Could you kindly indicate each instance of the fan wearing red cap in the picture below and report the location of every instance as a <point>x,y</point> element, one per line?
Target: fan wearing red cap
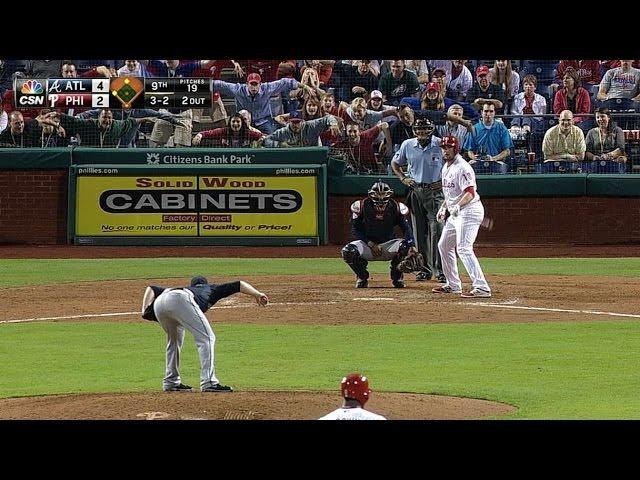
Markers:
<point>255,97</point>
<point>484,91</point>
<point>432,99</point>
<point>440,78</point>
<point>355,393</point>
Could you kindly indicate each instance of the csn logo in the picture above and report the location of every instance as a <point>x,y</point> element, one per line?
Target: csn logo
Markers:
<point>32,93</point>
<point>31,87</point>
<point>153,158</point>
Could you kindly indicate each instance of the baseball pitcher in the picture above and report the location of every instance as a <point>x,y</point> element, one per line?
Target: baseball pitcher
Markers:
<point>177,309</point>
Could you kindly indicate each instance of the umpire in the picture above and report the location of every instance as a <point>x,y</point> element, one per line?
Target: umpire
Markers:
<point>424,177</point>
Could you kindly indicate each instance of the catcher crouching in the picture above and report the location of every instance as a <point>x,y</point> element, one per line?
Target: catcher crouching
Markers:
<point>373,221</point>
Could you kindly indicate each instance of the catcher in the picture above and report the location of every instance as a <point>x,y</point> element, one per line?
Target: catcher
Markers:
<point>372,222</point>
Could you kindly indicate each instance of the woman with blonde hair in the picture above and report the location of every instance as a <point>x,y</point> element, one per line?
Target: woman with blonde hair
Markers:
<point>503,75</point>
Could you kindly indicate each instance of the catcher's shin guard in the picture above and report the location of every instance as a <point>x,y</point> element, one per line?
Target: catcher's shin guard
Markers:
<point>351,256</point>
<point>393,267</point>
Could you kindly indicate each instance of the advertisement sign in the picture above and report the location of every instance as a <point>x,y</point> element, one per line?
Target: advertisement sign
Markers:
<point>221,205</point>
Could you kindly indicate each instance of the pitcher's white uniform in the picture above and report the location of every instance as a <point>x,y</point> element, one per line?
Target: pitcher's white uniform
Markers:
<point>460,232</point>
<point>352,414</point>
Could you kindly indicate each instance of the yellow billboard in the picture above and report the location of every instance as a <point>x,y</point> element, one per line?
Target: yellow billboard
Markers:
<point>197,205</point>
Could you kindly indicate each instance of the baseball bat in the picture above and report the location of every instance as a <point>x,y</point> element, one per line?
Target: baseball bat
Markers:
<point>487,223</point>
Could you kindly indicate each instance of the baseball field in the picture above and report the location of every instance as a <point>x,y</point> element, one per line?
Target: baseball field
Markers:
<point>559,339</point>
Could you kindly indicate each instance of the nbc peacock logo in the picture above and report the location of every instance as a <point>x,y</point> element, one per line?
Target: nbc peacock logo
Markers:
<point>31,87</point>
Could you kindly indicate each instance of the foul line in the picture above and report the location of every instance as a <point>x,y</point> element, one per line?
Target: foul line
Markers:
<point>330,302</point>
<point>563,310</point>
<point>118,314</point>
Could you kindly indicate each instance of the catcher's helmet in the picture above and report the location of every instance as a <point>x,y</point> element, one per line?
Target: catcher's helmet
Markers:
<point>451,141</point>
<point>355,386</point>
<point>380,193</point>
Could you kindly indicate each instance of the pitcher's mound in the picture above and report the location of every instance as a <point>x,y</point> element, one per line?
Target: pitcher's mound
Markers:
<point>243,405</point>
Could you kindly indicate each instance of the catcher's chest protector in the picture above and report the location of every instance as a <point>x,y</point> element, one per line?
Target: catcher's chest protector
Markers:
<point>372,216</point>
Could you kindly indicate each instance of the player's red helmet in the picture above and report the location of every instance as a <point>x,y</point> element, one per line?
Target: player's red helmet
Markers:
<point>451,141</point>
<point>355,386</point>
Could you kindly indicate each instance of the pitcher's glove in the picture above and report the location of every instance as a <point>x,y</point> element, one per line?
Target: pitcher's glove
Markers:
<point>412,263</point>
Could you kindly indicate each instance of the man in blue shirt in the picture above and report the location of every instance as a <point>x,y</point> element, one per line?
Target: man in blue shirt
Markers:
<point>424,159</point>
<point>255,97</point>
<point>491,142</point>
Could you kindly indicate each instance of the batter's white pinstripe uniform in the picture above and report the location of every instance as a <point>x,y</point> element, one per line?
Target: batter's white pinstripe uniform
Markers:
<point>460,232</point>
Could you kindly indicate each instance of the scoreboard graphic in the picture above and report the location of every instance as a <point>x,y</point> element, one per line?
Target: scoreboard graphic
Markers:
<point>114,93</point>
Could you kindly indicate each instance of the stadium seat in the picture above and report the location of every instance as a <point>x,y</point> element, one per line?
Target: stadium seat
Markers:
<point>625,105</point>
<point>544,70</point>
<point>561,166</point>
<point>490,168</point>
<point>604,166</point>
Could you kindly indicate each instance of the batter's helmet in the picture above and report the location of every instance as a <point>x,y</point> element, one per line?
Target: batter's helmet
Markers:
<point>451,141</point>
<point>199,280</point>
<point>355,386</point>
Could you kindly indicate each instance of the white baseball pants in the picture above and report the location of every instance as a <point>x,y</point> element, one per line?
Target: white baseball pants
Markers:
<point>460,233</point>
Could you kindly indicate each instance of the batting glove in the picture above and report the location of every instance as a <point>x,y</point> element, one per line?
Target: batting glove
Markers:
<point>455,210</point>
<point>442,213</point>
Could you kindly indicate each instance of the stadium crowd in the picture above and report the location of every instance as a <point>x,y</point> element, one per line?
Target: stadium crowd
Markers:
<point>509,116</point>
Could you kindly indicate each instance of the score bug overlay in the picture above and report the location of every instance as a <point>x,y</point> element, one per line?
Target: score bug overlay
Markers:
<point>115,93</point>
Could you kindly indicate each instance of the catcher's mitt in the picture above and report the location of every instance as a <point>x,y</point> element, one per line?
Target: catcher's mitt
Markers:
<point>412,263</point>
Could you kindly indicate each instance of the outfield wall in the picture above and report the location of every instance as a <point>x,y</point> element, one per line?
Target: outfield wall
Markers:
<point>527,209</point>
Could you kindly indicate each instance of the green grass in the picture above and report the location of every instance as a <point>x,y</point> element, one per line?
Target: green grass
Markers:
<point>44,272</point>
<point>549,370</point>
<point>560,370</point>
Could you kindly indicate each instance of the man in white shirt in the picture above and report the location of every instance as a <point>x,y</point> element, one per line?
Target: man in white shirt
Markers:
<point>462,213</point>
<point>355,391</point>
